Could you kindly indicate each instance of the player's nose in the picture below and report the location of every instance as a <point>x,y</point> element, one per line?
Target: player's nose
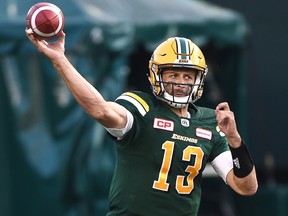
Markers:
<point>181,80</point>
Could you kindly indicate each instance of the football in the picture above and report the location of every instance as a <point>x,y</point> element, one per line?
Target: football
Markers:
<point>46,20</point>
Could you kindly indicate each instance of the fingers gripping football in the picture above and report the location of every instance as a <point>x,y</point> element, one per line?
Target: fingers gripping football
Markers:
<point>53,50</point>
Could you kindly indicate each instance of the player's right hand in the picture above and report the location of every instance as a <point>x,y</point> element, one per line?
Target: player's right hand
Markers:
<point>53,50</point>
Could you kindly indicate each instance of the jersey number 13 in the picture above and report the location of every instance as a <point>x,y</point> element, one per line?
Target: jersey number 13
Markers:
<point>161,183</point>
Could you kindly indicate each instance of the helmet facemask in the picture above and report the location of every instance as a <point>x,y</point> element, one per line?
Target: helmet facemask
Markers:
<point>167,91</point>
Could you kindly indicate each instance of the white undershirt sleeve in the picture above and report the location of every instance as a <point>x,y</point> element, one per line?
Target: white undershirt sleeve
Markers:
<point>120,132</point>
<point>222,164</point>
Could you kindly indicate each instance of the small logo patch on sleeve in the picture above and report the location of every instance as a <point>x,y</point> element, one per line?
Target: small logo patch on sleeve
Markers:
<point>163,124</point>
<point>204,133</point>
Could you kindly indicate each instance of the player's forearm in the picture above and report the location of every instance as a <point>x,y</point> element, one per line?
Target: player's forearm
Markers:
<point>84,93</point>
<point>244,175</point>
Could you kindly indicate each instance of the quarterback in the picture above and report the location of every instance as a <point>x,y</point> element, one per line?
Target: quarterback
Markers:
<point>163,140</point>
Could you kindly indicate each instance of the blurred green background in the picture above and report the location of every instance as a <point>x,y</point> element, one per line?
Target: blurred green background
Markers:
<point>55,160</point>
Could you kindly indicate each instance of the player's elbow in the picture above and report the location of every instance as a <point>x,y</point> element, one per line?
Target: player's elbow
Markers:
<point>251,192</point>
<point>249,189</point>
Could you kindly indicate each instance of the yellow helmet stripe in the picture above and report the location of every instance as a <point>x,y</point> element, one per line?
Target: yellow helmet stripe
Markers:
<point>137,101</point>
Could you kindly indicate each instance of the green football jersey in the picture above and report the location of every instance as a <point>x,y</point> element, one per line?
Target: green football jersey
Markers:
<point>161,159</point>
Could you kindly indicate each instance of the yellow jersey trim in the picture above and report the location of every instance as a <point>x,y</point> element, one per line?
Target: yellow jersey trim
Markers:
<point>139,99</point>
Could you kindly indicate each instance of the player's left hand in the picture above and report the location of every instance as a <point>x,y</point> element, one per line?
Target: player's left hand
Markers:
<point>227,124</point>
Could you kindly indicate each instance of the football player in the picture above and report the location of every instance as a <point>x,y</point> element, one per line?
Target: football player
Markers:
<point>163,140</point>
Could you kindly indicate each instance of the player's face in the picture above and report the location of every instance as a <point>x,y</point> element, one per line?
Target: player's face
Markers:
<point>178,82</point>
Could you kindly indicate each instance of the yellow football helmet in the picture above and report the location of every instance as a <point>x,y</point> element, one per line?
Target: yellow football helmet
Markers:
<point>177,52</point>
